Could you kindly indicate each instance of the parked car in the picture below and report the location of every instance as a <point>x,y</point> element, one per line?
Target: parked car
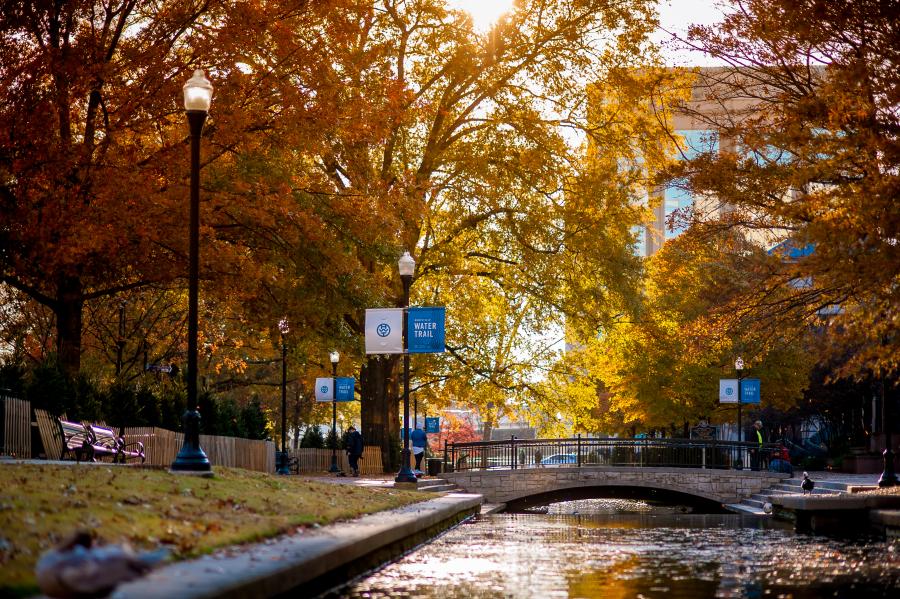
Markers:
<point>560,458</point>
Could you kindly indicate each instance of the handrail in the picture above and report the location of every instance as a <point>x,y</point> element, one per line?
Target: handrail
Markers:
<point>581,451</point>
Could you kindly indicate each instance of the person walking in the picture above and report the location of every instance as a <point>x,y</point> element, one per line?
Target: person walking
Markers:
<point>757,456</point>
<point>354,448</point>
<point>419,443</point>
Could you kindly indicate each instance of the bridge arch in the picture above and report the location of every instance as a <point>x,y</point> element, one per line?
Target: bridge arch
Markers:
<point>645,493</point>
<point>527,485</point>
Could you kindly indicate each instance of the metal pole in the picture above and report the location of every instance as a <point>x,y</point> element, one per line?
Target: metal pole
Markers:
<point>740,433</point>
<point>888,475</point>
<point>283,462</point>
<point>334,465</point>
<point>579,450</point>
<point>191,457</point>
<point>120,342</point>
<point>406,474</point>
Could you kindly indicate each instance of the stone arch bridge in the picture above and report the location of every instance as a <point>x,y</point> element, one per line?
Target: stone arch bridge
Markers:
<point>526,473</point>
<point>528,487</point>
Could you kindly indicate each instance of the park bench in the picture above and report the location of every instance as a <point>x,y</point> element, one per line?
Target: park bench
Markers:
<point>76,440</point>
<point>89,442</point>
<point>111,444</point>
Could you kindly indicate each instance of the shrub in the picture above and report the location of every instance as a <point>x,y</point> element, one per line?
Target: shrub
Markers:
<point>312,438</point>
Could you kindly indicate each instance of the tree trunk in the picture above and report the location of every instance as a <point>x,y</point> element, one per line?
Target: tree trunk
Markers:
<point>379,386</point>
<point>70,303</point>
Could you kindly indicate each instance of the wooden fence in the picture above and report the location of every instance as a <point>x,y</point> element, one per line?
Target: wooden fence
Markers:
<point>15,427</point>
<point>319,460</point>
<point>161,446</point>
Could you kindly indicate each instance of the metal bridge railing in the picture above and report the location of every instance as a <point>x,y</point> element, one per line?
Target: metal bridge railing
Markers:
<point>578,451</point>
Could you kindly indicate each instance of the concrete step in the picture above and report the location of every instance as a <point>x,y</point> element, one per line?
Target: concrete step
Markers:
<point>437,488</point>
<point>795,489</point>
<point>820,484</point>
<point>764,497</point>
<point>756,503</point>
<point>741,508</point>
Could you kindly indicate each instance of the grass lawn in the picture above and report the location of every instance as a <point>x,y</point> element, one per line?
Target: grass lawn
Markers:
<point>149,508</point>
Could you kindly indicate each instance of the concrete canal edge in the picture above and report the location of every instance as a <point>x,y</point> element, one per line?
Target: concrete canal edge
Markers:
<point>308,562</point>
<point>840,514</point>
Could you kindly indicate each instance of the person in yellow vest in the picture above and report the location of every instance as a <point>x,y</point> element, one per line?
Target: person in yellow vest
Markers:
<point>757,457</point>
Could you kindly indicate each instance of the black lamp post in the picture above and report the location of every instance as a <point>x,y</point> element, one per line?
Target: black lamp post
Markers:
<point>888,475</point>
<point>197,98</point>
<point>739,366</point>
<point>283,461</point>
<point>407,267</point>
<point>335,358</point>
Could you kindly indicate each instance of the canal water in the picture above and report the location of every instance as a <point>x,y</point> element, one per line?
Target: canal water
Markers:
<point>616,549</point>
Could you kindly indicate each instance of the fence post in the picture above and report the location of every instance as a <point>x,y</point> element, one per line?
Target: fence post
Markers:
<point>579,450</point>
<point>446,468</point>
<point>3,424</point>
<point>515,456</point>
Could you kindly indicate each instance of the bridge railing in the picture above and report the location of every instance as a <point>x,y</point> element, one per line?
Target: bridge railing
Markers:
<point>583,451</point>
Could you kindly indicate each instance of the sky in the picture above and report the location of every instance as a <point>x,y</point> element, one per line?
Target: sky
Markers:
<point>675,16</point>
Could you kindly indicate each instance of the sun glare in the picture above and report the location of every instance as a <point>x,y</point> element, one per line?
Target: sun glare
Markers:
<point>484,12</point>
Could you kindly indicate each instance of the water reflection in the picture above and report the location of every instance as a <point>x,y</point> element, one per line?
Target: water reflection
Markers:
<point>617,548</point>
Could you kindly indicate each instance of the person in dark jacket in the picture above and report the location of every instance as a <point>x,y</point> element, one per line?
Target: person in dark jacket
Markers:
<point>354,449</point>
<point>757,459</point>
<point>419,444</point>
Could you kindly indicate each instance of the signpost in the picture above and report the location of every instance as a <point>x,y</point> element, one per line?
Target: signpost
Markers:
<point>386,334</point>
<point>739,391</point>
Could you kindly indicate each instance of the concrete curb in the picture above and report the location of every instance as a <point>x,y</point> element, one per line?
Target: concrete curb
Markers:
<point>838,502</point>
<point>311,560</point>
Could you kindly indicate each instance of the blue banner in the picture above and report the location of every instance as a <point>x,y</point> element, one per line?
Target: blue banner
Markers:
<point>425,330</point>
<point>344,388</point>
<point>433,425</point>
<point>750,391</point>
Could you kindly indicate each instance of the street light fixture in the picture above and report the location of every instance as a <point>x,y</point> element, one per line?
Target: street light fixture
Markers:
<point>335,358</point>
<point>407,267</point>
<point>283,461</point>
<point>197,98</point>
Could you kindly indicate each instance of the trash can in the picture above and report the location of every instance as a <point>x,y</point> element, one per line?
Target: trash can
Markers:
<point>434,466</point>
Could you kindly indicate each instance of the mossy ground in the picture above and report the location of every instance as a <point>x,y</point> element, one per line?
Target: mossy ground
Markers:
<point>149,508</point>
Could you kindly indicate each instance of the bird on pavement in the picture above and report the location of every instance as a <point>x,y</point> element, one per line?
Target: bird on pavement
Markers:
<point>77,570</point>
<point>807,484</point>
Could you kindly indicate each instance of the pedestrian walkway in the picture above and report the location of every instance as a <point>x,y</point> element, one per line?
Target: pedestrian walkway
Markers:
<point>426,483</point>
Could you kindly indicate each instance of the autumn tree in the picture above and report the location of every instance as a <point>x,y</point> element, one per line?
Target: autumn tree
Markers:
<point>660,368</point>
<point>473,170</point>
<point>92,159</point>
<point>812,123</point>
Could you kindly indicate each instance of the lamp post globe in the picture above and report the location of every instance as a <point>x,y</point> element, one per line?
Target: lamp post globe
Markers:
<point>197,99</point>
<point>407,267</point>
<point>335,357</point>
